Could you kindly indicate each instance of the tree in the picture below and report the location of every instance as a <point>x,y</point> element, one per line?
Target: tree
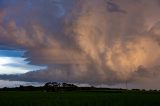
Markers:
<point>68,85</point>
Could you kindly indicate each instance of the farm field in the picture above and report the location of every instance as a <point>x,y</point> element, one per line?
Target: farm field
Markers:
<point>78,98</point>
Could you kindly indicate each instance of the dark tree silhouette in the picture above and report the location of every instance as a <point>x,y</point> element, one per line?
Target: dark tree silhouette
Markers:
<point>68,85</point>
<point>52,84</point>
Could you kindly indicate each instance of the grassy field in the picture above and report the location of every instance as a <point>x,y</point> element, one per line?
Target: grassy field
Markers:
<point>19,98</point>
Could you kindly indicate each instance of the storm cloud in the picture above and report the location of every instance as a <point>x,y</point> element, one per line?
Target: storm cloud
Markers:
<point>84,41</point>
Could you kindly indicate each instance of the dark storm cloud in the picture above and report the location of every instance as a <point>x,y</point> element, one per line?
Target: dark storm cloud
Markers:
<point>82,40</point>
<point>113,7</point>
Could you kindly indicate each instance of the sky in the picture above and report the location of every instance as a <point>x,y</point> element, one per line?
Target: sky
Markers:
<point>93,42</point>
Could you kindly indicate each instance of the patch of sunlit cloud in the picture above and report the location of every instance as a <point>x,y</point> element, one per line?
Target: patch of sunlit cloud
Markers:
<point>16,65</point>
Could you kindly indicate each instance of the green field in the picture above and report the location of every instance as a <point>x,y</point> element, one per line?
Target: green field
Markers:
<point>79,98</point>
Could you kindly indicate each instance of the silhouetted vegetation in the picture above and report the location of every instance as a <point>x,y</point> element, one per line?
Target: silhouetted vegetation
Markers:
<point>61,87</point>
<point>64,94</point>
<point>49,86</point>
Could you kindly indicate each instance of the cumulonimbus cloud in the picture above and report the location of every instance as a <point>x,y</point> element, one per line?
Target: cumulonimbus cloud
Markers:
<point>87,43</point>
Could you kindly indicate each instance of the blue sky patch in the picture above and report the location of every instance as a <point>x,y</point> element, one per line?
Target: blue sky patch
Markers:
<point>12,62</point>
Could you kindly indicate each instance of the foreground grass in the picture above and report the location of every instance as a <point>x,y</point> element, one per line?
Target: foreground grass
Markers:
<point>19,98</point>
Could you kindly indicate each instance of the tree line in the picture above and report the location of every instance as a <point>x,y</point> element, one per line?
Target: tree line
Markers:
<point>56,87</point>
